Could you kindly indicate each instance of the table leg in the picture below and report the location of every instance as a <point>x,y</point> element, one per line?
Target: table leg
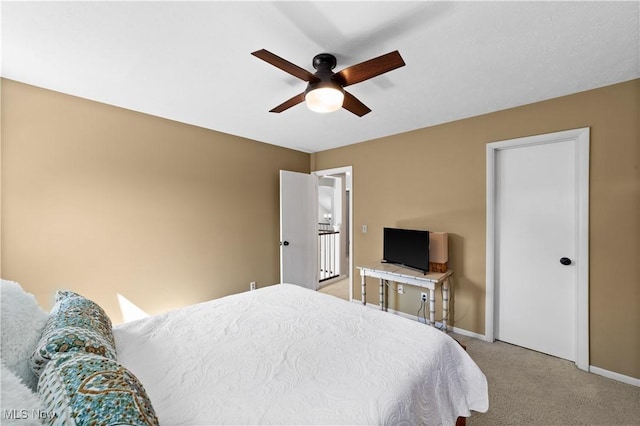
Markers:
<point>445,304</point>
<point>432,307</point>
<point>363,286</point>
<point>382,294</point>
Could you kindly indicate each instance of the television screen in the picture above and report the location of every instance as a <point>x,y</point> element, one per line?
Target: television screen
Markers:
<point>408,247</point>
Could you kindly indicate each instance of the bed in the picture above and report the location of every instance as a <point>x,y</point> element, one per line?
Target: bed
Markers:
<point>282,354</point>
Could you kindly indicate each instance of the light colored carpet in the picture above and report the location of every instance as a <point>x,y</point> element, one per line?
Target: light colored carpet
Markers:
<point>338,288</point>
<point>531,388</point>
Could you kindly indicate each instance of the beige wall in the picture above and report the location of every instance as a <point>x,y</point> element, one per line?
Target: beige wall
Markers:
<point>434,178</point>
<point>103,200</point>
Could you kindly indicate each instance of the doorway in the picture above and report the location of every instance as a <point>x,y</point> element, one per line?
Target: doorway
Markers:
<point>537,243</point>
<point>335,211</point>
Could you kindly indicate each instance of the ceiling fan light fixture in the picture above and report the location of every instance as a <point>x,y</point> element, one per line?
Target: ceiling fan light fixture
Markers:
<point>324,97</point>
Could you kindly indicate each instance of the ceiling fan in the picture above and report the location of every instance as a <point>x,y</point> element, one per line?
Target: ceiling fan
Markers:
<point>325,89</point>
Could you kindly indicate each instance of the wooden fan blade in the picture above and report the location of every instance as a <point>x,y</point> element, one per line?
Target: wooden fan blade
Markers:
<point>284,65</point>
<point>289,103</point>
<point>351,103</point>
<point>369,69</point>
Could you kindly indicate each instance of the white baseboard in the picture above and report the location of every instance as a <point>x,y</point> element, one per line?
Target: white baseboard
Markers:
<point>468,333</point>
<point>615,376</point>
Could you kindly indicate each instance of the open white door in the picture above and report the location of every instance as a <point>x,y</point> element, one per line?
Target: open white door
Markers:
<point>298,229</point>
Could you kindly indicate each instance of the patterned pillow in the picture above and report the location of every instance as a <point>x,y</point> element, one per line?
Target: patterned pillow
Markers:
<point>78,310</point>
<point>74,324</point>
<point>85,389</point>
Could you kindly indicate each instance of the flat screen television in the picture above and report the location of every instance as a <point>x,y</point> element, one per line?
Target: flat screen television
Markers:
<point>407,247</point>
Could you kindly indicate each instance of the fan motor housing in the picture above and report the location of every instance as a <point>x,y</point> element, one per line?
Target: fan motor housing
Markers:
<point>313,85</point>
<point>324,61</point>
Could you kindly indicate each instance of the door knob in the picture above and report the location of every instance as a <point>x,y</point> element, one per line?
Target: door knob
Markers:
<point>565,261</point>
<point>284,243</point>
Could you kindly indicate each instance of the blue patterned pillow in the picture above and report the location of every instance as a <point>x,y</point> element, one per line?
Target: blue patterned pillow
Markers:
<point>86,389</point>
<point>74,309</point>
<point>74,324</point>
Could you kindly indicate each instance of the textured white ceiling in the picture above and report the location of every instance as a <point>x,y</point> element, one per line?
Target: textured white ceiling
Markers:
<point>191,62</point>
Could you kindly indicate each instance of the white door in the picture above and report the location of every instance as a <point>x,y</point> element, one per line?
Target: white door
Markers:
<point>535,212</point>
<point>537,243</point>
<point>298,229</point>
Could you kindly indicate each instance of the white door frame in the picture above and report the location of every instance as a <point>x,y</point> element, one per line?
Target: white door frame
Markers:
<point>335,171</point>
<point>581,138</point>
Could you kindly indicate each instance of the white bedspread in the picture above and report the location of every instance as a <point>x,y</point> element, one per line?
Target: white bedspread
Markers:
<point>287,355</point>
